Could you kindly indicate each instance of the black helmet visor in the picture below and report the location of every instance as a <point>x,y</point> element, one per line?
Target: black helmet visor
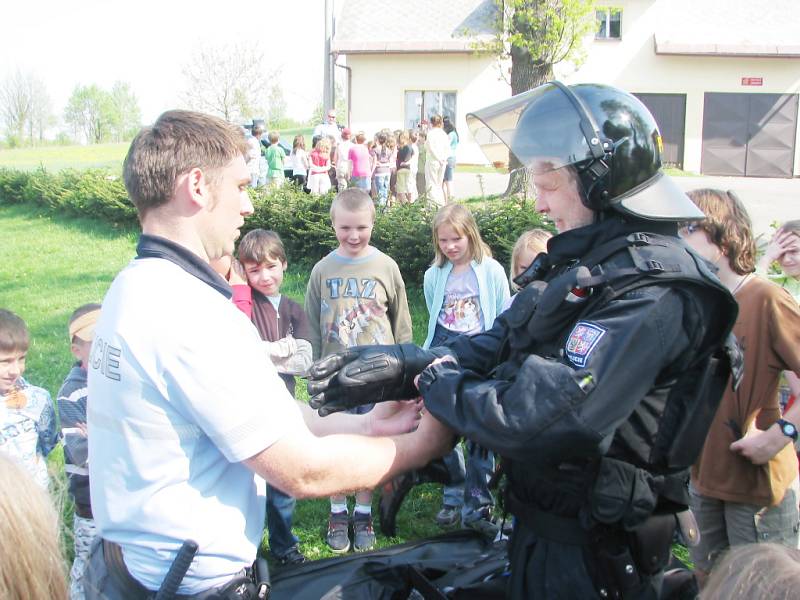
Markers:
<point>541,127</point>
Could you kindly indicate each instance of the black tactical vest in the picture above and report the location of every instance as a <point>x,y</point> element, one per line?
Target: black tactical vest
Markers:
<point>644,453</point>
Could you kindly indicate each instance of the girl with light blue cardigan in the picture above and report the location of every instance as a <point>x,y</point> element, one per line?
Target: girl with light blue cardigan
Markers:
<point>465,290</point>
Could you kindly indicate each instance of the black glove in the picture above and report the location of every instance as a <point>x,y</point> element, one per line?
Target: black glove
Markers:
<point>366,374</point>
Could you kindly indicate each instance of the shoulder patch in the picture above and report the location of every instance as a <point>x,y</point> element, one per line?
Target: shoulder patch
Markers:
<point>582,340</point>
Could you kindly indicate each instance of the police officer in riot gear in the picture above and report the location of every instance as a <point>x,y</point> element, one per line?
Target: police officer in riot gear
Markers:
<point>598,385</point>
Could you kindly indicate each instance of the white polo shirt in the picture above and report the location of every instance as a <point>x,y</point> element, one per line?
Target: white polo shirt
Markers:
<point>180,391</point>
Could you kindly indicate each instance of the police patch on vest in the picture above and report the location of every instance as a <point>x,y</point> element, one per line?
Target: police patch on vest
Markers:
<point>581,342</point>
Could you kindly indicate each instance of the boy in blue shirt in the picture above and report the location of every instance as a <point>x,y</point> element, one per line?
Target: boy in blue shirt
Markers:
<point>28,427</point>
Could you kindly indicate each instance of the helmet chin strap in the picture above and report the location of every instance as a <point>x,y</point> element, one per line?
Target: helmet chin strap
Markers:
<point>596,169</point>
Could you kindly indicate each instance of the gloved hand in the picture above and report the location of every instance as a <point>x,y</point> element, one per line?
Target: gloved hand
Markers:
<point>367,374</point>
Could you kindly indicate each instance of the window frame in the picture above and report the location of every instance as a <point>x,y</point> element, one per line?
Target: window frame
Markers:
<point>607,12</point>
<point>422,108</point>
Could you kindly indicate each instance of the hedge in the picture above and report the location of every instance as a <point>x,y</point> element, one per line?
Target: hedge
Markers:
<point>302,220</point>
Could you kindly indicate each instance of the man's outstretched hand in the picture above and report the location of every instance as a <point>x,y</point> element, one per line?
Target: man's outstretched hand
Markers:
<point>365,375</point>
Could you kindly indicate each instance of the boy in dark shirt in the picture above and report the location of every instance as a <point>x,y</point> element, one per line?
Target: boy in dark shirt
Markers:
<point>72,400</point>
<point>283,326</point>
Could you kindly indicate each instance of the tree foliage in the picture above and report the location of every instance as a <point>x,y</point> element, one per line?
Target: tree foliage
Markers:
<point>126,117</point>
<point>100,116</point>
<point>24,108</point>
<point>229,80</point>
<point>89,112</point>
<point>536,35</point>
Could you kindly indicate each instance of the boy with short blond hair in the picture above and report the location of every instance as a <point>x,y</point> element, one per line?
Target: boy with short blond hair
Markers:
<point>355,296</point>
<point>28,427</point>
<point>72,401</point>
<point>275,157</point>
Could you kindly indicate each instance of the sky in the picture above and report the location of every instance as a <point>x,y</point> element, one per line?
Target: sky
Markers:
<point>146,43</point>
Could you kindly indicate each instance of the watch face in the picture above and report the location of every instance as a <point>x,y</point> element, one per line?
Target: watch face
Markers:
<point>789,430</point>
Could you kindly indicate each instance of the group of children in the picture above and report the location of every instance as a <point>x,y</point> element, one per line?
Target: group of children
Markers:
<point>390,167</point>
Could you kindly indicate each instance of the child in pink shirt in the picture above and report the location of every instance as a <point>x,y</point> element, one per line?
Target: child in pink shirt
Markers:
<point>360,159</point>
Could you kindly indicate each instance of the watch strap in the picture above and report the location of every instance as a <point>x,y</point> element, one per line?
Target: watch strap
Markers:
<point>788,429</point>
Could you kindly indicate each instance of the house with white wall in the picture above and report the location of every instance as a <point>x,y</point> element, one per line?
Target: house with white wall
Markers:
<point>721,77</point>
<point>409,60</point>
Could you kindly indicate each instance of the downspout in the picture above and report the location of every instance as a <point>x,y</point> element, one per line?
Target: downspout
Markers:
<point>349,84</point>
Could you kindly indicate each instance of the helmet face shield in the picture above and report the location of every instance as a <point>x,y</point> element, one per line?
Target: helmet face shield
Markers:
<point>540,127</point>
<point>606,134</point>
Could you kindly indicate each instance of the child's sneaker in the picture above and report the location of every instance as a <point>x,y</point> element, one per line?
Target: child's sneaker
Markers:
<point>363,534</point>
<point>338,537</point>
<point>448,515</point>
<point>292,557</point>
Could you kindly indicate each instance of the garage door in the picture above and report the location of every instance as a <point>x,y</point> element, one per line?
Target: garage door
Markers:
<point>669,111</point>
<point>749,134</point>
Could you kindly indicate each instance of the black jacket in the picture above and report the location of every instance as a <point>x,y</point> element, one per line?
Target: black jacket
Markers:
<point>597,387</point>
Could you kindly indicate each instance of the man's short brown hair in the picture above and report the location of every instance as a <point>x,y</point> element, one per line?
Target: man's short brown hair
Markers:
<point>13,332</point>
<point>259,246</point>
<point>352,200</point>
<point>728,227</point>
<point>180,140</point>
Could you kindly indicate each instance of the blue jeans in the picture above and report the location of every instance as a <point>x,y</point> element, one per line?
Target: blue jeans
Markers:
<point>280,508</point>
<point>382,186</point>
<point>470,487</point>
<point>361,183</point>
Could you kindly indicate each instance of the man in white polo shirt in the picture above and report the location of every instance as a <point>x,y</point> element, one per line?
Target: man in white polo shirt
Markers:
<point>188,417</point>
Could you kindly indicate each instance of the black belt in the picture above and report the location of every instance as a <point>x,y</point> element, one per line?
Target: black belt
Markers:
<point>565,530</point>
<point>240,586</point>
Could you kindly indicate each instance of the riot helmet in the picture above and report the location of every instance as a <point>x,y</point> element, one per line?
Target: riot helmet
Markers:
<point>606,135</point>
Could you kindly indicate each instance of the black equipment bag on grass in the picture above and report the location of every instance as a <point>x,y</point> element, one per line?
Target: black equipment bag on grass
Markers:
<point>454,565</point>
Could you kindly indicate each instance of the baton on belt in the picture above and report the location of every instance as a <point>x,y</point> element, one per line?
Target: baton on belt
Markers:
<point>177,571</point>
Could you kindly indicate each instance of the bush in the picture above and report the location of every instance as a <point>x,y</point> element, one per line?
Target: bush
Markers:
<point>302,220</point>
<point>94,193</point>
<point>12,183</point>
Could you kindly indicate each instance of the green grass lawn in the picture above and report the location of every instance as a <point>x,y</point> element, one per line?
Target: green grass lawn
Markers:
<point>55,158</point>
<point>49,265</point>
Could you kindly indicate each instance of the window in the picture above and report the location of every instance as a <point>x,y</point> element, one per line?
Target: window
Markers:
<point>423,104</point>
<point>608,24</point>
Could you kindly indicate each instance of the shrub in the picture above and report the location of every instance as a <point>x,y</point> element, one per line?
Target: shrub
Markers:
<point>12,182</point>
<point>404,233</point>
<point>93,193</point>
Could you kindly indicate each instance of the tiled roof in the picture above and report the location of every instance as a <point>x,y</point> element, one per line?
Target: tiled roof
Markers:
<point>377,26</point>
<point>729,27</point>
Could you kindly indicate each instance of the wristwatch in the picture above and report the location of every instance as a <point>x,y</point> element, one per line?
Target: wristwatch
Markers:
<point>788,429</point>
